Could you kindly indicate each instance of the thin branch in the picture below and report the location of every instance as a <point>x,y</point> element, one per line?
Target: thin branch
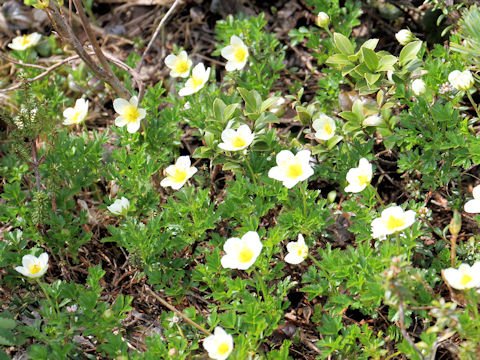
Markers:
<point>67,34</point>
<point>172,308</point>
<point>155,34</point>
<point>405,334</point>
<point>13,61</point>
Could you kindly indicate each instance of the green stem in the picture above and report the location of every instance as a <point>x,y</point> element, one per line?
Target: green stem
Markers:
<point>315,261</point>
<point>262,284</point>
<point>473,103</point>
<point>304,199</point>
<point>55,310</point>
<point>398,240</point>
<point>249,166</point>
<point>377,195</point>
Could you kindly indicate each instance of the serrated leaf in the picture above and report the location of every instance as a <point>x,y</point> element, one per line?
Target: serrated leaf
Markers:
<point>343,44</point>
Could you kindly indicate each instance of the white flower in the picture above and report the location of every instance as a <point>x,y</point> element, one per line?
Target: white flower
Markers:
<point>461,80</point>
<point>322,19</point>
<point>130,114</point>
<point>234,140</point>
<point>241,253</point>
<point>324,126</point>
<point>373,120</point>
<point>25,41</point>
<point>473,206</point>
<point>178,174</point>
<point>197,81</point>
<point>33,267</point>
<point>290,168</point>
<point>236,54</point>
<point>392,220</point>
<point>77,114</point>
<point>404,36</point>
<point>465,277</point>
<point>179,65</point>
<point>359,178</point>
<point>219,345</point>
<point>120,206</point>
<point>418,87</point>
<point>297,251</point>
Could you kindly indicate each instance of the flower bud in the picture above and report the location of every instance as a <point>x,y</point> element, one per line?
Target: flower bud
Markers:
<point>322,19</point>
<point>461,80</point>
<point>404,36</point>
<point>418,87</point>
<point>455,223</point>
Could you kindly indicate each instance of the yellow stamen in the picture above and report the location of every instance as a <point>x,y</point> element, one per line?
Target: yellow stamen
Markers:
<point>179,176</point>
<point>181,66</point>
<point>240,54</point>
<point>131,114</point>
<point>394,223</point>
<point>34,269</point>
<point>196,81</point>
<point>245,255</point>
<point>25,40</point>
<point>238,142</point>
<point>294,170</point>
<point>223,348</point>
<point>363,180</point>
<point>465,279</point>
<point>328,129</point>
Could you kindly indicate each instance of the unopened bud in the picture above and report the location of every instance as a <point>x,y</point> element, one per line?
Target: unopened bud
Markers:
<point>323,20</point>
<point>455,223</point>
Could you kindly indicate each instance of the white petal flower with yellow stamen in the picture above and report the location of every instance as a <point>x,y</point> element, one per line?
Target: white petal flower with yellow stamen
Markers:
<point>461,80</point>
<point>418,87</point>
<point>297,251</point>
<point>24,42</point>
<point>178,174</point>
<point>359,178</point>
<point>241,253</point>
<point>234,140</point>
<point>324,126</point>
<point>236,53</point>
<point>76,114</point>
<point>219,345</point>
<point>291,169</point>
<point>465,277</point>
<point>33,267</point>
<point>130,114</point>
<point>179,65</point>
<point>473,206</point>
<point>120,206</point>
<point>392,220</point>
<point>195,82</point>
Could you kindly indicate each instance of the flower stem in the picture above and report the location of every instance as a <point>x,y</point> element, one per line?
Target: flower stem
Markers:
<point>249,166</point>
<point>377,195</point>
<point>473,103</point>
<point>262,284</point>
<point>398,240</point>
<point>315,261</point>
<point>304,199</point>
<point>47,296</point>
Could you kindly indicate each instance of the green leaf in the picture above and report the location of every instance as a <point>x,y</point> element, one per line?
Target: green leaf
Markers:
<point>229,111</point>
<point>370,58</point>
<point>338,59</point>
<point>218,109</point>
<point>372,78</point>
<point>409,52</point>
<point>267,103</point>
<point>6,338</point>
<point>370,44</point>
<point>7,323</point>
<point>343,44</point>
<point>386,63</point>
<point>202,152</point>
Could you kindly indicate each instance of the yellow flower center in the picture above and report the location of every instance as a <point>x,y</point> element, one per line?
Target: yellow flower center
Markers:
<point>394,223</point>
<point>25,40</point>
<point>245,255</point>
<point>181,66</point>
<point>223,348</point>
<point>131,114</point>
<point>240,54</point>
<point>363,180</point>
<point>35,268</point>
<point>196,81</point>
<point>328,129</point>
<point>75,116</point>
<point>179,176</point>
<point>465,279</point>
<point>294,170</point>
<point>300,252</point>
<point>238,142</point>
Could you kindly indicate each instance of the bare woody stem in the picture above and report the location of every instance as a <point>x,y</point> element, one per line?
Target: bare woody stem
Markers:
<point>106,75</point>
<point>172,308</point>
